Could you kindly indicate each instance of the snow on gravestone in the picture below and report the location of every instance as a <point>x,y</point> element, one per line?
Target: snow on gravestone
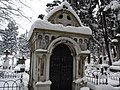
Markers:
<point>84,88</point>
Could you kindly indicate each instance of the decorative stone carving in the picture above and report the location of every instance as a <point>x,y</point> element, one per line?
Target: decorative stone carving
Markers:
<point>75,39</point>
<point>47,39</point>
<point>43,41</point>
<point>83,44</point>
<point>64,19</point>
<point>39,41</point>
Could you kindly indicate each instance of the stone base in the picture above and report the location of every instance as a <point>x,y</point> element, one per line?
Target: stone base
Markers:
<point>43,85</point>
<point>79,83</point>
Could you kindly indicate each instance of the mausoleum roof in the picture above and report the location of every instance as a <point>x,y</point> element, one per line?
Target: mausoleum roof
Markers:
<point>58,8</point>
<point>45,24</point>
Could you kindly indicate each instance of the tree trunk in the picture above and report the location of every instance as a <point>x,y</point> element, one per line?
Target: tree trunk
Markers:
<point>106,37</point>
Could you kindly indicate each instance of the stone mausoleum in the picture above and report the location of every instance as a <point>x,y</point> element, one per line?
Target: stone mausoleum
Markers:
<point>58,48</point>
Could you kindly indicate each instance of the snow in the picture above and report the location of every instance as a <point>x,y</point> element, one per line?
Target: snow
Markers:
<point>18,67</point>
<point>27,65</point>
<point>43,83</point>
<point>105,87</point>
<point>106,8</point>
<point>112,79</point>
<point>104,65</point>
<point>41,51</point>
<point>41,24</point>
<point>115,67</point>
<point>118,16</point>
<point>61,7</point>
<point>117,63</point>
<point>118,35</point>
<point>84,88</point>
<point>109,86</point>
<point>85,52</point>
<point>114,40</point>
<point>114,5</point>
<point>44,24</point>
<point>79,80</point>
<point>25,78</point>
<point>13,81</point>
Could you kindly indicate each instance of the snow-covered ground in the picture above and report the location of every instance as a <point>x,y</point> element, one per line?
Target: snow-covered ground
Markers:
<point>97,81</point>
<point>8,77</point>
<point>21,81</point>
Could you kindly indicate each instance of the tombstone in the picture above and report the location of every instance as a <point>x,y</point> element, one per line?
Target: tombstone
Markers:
<point>6,59</point>
<point>56,54</point>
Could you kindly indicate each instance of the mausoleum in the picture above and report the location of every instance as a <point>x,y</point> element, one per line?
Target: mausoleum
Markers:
<point>58,48</point>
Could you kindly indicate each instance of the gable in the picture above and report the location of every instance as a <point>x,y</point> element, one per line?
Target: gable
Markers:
<point>65,15</point>
<point>65,18</point>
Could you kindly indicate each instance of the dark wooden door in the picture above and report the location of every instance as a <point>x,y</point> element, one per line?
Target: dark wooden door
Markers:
<point>61,68</point>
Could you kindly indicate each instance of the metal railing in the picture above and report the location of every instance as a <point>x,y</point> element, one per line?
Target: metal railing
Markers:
<point>5,74</point>
<point>11,81</point>
<point>96,77</point>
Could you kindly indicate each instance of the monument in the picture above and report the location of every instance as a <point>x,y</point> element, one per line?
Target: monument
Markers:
<point>58,48</point>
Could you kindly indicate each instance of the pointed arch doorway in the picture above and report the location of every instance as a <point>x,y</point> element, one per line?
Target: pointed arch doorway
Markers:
<point>61,68</point>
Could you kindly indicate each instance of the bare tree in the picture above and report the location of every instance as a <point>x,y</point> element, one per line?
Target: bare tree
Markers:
<point>9,9</point>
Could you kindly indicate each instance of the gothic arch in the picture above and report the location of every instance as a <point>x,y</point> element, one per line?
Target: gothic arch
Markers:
<point>73,46</point>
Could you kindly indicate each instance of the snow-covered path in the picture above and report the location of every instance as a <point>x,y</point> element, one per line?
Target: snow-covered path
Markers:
<point>102,87</point>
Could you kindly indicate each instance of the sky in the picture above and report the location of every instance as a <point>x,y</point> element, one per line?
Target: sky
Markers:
<point>37,7</point>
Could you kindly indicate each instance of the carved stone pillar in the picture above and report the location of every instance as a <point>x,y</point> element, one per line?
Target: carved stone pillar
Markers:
<point>42,84</point>
<point>118,47</point>
<point>77,66</point>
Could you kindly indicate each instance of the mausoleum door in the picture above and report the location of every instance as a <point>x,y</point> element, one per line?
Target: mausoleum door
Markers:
<point>61,68</point>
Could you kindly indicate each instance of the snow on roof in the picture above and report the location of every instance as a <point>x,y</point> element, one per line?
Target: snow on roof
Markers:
<point>114,40</point>
<point>42,24</point>
<point>43,83</point>
<point>118,35</point>
<point>115,67</point>
<point>85,52</point>
<point>79,80</point>
<point>41,51</point>
<point>117,63</point>
<point>57,8</point>
<point>85,88</point>
<point>118,16</point>
<point>18,67</point>
<point>104,65</point>
<point>113,5</point>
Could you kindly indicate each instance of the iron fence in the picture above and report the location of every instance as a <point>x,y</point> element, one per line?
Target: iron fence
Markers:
<point>11,81</point>
<point>96,77</point>
<point>11,84</point>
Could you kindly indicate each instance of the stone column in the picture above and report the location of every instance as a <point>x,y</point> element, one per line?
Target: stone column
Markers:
<point>43,84</point>
<point>77,66</point>
<point>118,47</point>
<point>47,66</point>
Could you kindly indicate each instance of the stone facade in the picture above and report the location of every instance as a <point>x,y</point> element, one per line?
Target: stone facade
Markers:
<point>44,40</point>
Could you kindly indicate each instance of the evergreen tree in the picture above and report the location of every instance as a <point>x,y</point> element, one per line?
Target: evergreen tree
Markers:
<point>9,38</point>
<point>103,17</point>
<point>102,22</point>
<point>23,45</point>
